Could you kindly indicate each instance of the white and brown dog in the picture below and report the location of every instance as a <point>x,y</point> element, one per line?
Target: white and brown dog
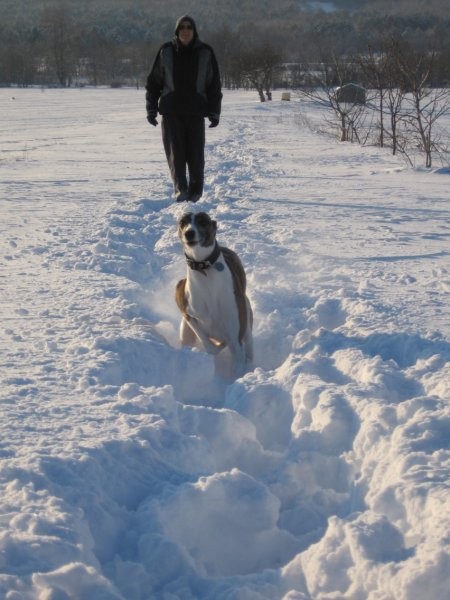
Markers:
<point>212,299</point>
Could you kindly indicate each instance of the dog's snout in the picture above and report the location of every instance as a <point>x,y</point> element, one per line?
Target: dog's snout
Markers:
<point>189,234</point>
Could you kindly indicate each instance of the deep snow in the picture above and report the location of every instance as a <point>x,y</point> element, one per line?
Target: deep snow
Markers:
<point>127,469</point>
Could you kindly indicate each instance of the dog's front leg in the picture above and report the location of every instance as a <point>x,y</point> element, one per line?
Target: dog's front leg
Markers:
<point>203,338</point>
<point>187,335</point>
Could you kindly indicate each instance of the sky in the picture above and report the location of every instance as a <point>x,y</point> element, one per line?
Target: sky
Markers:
<point>129,469</point>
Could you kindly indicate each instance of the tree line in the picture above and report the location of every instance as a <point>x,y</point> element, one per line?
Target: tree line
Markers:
<point>63,45</point>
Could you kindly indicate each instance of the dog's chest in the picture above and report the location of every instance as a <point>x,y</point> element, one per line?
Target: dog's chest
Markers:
<point>210,293</point>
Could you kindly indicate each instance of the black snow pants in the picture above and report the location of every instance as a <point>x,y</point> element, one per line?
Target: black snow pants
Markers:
<point>184,145</point>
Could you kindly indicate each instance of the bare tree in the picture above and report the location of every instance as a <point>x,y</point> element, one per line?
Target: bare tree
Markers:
<point>95,50</point>
<point>58,25</point>
<point>373,68</point>
<point>18,64</point>
<point>227,53</point>
<point>425,104</point>
<point>428,105</point>
<point>393,103</point>
<point>258,66</point>
<point>322,82</point>
<point>391,94</point>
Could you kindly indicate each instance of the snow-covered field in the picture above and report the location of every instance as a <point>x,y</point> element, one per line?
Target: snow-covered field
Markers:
<point>128,470</point>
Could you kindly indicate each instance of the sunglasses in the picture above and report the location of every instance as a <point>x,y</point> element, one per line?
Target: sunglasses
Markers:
<point>185,27</point>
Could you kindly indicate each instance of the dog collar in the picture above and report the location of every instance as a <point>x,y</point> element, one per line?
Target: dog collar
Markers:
<point>202,265</point>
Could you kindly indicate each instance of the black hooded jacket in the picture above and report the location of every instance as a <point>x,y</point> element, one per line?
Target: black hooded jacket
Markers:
<point>184,79</point>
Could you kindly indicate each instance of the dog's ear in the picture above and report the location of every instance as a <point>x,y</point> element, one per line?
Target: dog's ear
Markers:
<point>214,225</point>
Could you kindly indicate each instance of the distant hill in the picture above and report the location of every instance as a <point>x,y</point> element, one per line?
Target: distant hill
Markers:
<point>152,21</point>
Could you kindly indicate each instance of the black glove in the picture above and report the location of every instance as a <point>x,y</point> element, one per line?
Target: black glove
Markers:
<point>214,121</point>
<point>151,118</point>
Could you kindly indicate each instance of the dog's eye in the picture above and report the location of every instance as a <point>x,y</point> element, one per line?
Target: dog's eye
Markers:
<point>185,220</point>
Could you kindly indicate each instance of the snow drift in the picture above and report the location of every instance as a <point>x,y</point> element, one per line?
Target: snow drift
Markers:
<point>128,469</point>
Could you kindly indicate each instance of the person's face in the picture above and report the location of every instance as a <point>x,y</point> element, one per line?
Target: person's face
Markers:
<point>185,32</point>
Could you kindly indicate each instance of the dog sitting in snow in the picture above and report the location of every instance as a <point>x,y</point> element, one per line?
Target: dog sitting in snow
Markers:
<point>212,299</point>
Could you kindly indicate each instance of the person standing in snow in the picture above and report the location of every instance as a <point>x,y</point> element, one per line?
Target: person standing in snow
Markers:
<point>184,87</point>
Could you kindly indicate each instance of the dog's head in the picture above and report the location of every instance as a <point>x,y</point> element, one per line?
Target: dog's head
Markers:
<point>197,230</point>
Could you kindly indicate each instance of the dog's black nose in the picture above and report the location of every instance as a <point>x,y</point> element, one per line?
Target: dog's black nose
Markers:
<point>189,234</point>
